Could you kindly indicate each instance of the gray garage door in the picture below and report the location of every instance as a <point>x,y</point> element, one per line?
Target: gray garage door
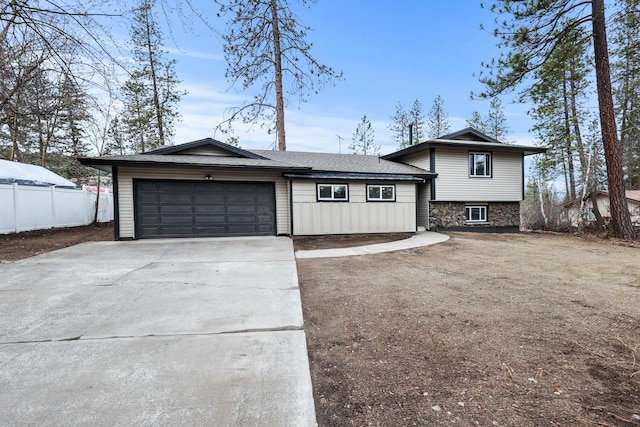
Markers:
<point>204,209</point>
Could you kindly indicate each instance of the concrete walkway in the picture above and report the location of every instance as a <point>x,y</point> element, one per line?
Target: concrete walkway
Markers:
<point>422,238</point>
<point>179,332</point>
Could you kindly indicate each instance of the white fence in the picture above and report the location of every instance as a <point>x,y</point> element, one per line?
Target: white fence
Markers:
<point>24,208</point>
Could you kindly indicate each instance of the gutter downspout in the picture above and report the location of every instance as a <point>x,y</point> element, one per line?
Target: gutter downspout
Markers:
<point>291,206</point>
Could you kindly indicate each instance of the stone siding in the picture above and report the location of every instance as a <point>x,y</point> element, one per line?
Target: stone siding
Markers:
<point>443,215</point>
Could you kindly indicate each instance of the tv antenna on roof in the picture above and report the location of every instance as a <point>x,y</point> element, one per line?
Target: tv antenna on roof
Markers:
<point>339,143</point>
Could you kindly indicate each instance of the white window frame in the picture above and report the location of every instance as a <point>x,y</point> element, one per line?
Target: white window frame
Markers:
<point>381,199</point>
<point>333,197</point>
<point>488,170</point>
<point>482,210</point>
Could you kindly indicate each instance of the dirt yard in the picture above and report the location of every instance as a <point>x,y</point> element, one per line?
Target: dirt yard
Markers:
<point>485,329</point>
<point>29,243</point>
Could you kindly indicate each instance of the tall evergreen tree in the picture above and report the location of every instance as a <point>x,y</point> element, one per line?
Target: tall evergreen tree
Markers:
<point>363,138</point>
<point>560,87</point>
<point>438,122</point>
<point>151,93</point>
<point>416,119</point>
<point>529,33</point>
<point>626,80</point>
<point>267,45</point>
<point>399,126</point>
<point>494,124</point>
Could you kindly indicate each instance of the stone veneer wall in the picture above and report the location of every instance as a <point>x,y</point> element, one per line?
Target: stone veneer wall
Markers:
<point>452,215</point>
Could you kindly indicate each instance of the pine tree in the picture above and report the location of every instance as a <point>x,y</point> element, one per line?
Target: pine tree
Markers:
<point>266,45</point>
<point>626,79</point>
<point>399,126</point>
<point>416,119</point>
<point>363,138</point>
<point>494,124</point>
<point>529,32</point>
<point>151,95</point>
<point>438,123</point>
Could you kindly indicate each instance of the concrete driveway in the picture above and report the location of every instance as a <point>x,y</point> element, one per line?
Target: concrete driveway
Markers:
<point>156,332</point>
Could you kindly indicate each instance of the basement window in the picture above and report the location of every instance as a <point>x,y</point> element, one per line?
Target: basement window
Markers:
<point>476,214</point>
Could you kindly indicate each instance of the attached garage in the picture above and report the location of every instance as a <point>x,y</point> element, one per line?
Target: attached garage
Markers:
<point>207,188</point>
<point>165,208</point>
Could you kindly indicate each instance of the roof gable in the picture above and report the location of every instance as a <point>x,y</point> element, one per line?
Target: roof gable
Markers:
<point>465,139</point>
<point>469,134</point>
<point>206,146</point>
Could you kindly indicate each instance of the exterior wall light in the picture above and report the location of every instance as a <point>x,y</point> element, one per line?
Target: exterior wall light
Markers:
<point>208,177</point>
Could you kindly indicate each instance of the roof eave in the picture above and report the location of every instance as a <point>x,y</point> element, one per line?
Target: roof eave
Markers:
<point>106,164</point>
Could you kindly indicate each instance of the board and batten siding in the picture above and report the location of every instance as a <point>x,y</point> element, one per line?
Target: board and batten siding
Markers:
<point>312,217</point>
<point>455,184</point>
<point>126,202</point>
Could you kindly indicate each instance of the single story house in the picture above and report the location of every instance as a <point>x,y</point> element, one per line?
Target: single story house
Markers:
<point>209,188</point>
<point>571,209</point>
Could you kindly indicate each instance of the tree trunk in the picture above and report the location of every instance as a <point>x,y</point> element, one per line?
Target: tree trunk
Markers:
<point>568,145</point>
<point>95,212</point>
<point>154,77</point>
<point>282,141</point>
<point>620,217</point>
<point>596,210</point>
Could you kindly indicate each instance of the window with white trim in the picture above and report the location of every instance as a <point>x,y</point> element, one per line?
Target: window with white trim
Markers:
<point>333,192</point>
<point>381,193</point>
<point>480,164</point>
<point>476,213</point>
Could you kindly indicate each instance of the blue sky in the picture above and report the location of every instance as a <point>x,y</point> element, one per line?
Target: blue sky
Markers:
<point>389,52</point>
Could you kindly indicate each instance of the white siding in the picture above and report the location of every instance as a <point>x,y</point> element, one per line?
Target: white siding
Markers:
<point>419,160</point>
<point>424,195</point>
<point>125,191</point>
<point>355,216</point>
<point>454,184</point>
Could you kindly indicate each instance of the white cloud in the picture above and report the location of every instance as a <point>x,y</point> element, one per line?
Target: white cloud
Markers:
<point>194,54</point>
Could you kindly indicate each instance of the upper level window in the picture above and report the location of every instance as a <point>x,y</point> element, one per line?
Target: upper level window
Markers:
<point>381,193</point>
<point>480,164</point>
<point>333,192</point>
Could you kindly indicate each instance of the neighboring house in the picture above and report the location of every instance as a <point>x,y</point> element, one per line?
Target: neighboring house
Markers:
<point>208,188</point>
<point>571,212</point>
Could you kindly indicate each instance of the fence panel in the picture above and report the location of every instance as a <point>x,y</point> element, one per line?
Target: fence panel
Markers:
<point>25,208</point>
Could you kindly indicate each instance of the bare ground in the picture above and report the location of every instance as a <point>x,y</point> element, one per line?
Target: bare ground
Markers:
<point>30,243</point>
<point>485,329</point>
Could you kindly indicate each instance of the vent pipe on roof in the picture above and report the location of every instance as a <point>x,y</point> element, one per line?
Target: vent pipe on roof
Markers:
<point>410,133</point>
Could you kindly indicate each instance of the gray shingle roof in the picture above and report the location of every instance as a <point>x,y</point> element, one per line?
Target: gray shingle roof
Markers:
<point>189,161</point>
<point>285,161</point>
<point>331,162</point>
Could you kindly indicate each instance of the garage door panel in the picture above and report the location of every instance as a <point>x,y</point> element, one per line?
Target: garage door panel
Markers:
<point>240,198</point>
<point>176,209</point>
<point>210,210</point>
<point>209,198</point>
<point>148,198</point>
<point>241,210</point>
<point>217,219</point>
<point>150,220</point>
<point>150,209</point>
<point>175,220</point>
<point>175,198</point>
<point>191,209</point>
